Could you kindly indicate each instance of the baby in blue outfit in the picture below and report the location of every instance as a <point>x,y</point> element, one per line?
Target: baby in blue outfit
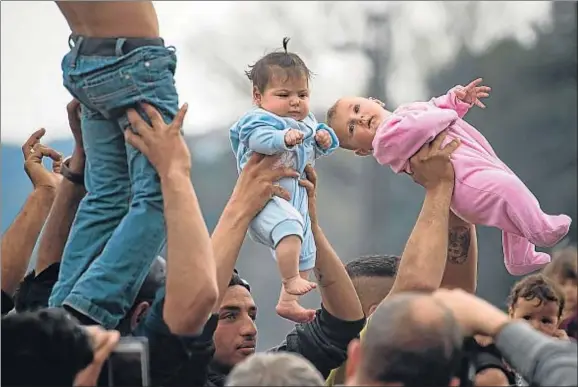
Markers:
<point>282,124</point>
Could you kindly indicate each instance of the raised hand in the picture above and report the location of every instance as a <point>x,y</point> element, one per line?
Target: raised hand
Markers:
<point>473,92</point>
<point>323,138</point>
<point>34,152</point>
<point>293,137</point>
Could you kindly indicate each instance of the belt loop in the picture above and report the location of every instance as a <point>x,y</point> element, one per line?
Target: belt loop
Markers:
<point>75,48</point>
<point>118,49</point>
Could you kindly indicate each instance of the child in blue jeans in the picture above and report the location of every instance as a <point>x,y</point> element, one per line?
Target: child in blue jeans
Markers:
<point>119,227</point>
<point>282,124</point>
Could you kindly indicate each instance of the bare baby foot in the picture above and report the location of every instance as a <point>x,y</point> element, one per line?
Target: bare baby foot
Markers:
<point>291,310</point>
<point>298,286</point>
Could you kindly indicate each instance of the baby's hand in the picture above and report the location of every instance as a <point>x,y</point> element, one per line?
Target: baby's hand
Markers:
<point>293,137</point>
<point>473,92</point>
<point>323,138</point>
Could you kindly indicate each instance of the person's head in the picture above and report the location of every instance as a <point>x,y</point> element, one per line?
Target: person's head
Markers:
<point>275,369</point>
<point>281,83</point>
<point>146,295</point>
<point>537,300</point>
<point>564,271</point>
<point>355,121</point>
<point>372,277</point>
<point>46,347</point>
<point>411,340</point>
<point>236,334</point>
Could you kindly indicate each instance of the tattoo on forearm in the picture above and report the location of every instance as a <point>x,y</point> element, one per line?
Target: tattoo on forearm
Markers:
<point>458,245</point>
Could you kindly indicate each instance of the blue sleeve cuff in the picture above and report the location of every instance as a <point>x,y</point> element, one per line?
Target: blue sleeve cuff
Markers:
<point>334,141</point>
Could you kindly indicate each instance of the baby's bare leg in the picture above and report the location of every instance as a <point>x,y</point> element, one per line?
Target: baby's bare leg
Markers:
<point>287,252</point>
<point>288,306</point>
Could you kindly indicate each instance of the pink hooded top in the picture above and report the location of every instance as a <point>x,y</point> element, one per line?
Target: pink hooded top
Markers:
<point>412,125</point>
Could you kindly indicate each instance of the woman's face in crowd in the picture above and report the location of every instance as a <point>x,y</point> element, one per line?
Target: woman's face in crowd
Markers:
<point>236,334</point>
<point>543,316</point>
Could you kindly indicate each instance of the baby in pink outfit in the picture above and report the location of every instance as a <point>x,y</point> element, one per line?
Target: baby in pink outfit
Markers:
<point>486,191</point>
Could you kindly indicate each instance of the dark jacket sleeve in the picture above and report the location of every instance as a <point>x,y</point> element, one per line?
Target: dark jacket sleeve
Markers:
<point>539,359</point>
<point>176,360</point>
<point>7,303</point>
<point>34,290</point>
<point>322,341</point>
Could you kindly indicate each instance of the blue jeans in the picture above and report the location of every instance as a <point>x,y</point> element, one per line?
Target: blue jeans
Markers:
<point>119,228</point>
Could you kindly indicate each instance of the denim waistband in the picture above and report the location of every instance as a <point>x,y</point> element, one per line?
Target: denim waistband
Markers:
<point>89,46</point>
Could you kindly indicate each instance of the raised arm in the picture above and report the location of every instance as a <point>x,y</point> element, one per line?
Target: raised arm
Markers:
<point>263,133</point>
<point>191,286</point>
<point>423,260</point>
<point>462,259</point>
<point>462,98</point>
<point>406,131</point>
<point>254,188</point>
<point>452,102</point>
<point>19,240</point>
<point>324,340</point>
<point>69,195</point>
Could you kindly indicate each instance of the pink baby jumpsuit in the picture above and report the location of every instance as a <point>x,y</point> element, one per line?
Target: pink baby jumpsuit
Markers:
<point>486,191</point>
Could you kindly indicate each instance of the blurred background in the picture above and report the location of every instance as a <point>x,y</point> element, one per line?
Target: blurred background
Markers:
<point>395,51</point>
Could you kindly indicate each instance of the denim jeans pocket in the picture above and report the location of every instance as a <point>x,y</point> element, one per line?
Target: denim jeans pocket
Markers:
<point>143,76</point>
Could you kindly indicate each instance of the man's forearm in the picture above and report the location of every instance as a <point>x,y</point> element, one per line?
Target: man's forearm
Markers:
<point>462,260</point>
<point>19,240</point>
<point>55,235</point>
<point>227,239</point>
<point>191,289</point>
<point>337,291</point>
<point>424,258</point>
<point>541,360</point>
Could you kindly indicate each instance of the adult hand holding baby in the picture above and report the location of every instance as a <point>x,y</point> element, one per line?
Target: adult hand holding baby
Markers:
<point>431,165</point>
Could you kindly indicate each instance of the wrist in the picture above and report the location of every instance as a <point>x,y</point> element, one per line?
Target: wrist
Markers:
<point>76,161</point>
<point>441,188</point>
<point>495,322</point>
<point>72,169</point>
<point>237,212</point>
<point>45,191</point>
<point>175,174</point>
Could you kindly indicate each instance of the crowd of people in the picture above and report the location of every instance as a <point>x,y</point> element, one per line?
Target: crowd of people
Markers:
<point>99,219</point>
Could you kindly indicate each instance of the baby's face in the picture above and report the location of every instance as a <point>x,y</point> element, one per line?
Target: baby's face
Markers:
<point>543,316</point>
<point>355,122</point>
<point>286,96</point>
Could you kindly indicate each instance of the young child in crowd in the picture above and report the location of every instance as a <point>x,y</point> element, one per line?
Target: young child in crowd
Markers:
<point>563,270</point>
<point>486,191</point>
<point>539,301</point>
<point>282,124</point>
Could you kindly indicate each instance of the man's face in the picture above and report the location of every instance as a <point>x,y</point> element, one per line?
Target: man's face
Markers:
<point>236,334</point>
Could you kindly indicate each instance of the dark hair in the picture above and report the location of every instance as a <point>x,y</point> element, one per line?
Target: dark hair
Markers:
<point>405,345</point>
<point>564,265</point>
<point>373,266</point>
<point>43,348</point>
<point>260,72</point>
<point>237,280</point>
<point>537,286</point>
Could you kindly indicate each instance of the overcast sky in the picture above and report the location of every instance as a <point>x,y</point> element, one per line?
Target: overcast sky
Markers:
<point>34,39</point>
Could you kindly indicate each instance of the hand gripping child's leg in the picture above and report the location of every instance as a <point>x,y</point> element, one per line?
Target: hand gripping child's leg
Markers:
<point>295,283</point>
